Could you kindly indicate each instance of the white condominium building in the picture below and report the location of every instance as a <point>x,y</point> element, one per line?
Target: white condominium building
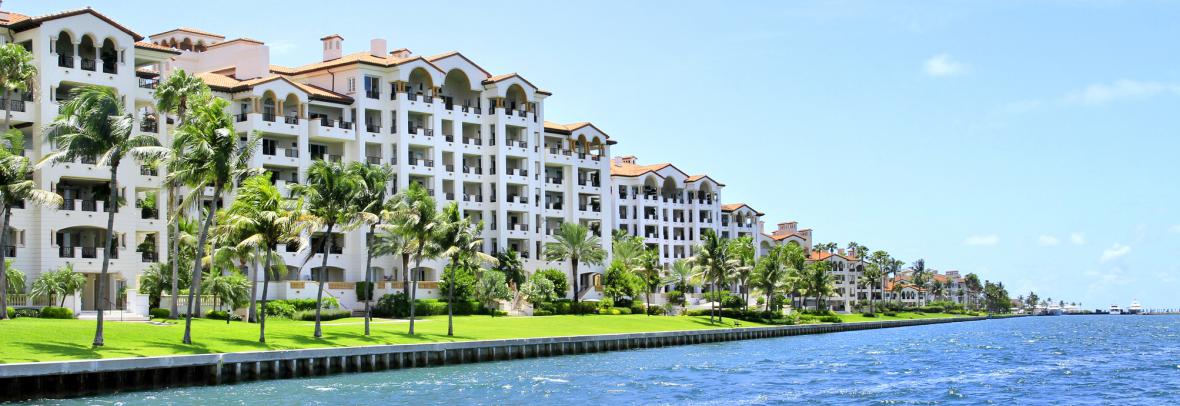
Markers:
<point>441,121</point>
<point>846,268</point>
<point>669,208</point>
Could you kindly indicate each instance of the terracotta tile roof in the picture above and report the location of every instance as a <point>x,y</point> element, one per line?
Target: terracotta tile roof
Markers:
<point>20,22</point>
<point>445,55</point>
<point>190,31</point>
<point>236,40</point>
<point>735,206</point>
<point>154,47</point>
<point>505,76</point>
<point>14,18</point>
<point>695,178</point>
<point>282,70</point>
<point>360,57</point>
<point>632,170</point>
<point>228,84</point>
<point>781,237</point>
<point>567,129</point>
<point>823,255</point>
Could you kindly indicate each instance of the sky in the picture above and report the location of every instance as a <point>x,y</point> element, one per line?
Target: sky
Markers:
<point>1033,143</point>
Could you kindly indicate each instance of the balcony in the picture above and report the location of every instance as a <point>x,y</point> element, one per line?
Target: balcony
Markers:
<point>148,257</point>
<point>65,61</point>
<point>373,128</point>
<point>110,67</point>
<point>268,117</point>
<point>10,251</point>
<point>89,64</point>
<point>291,120</point>
<point>375,160</point>
<point>149,126</point>
<point>472,198</point>
<point>145,83</point>
<point>325,127</point>
<point>12,105</point>
<point>472,141</point>
<point>472,170</point>
<point>373,94</point>
<point>148,171</point>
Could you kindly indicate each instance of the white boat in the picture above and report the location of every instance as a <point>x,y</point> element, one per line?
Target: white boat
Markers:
<point>1114,309</point>
<point>1135,307</point>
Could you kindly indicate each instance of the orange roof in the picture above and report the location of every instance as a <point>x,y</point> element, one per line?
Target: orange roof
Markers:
<point>445,55</point>
<point>154,47</point>
<point>735,206</point>
<point>818,255</point>
<point>20,22</point>
<point>228,84</point>
<point>505,76</point>
<point>567,129</point>
<point>332,36</point>
<point>282,70</point>
<point>632,170</point>
<point>236,40</point>
<point>190,31</point>
<point>786,236</point>
<point>360,58</point>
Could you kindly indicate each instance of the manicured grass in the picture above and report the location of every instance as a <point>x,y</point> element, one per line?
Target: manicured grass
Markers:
<point>33,340</point>
<point>857,317</point>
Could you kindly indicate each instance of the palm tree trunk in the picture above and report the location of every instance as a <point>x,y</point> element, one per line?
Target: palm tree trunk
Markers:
<point>451,296</point>
<point>711,299</point>
<point>174,257</point>
<point>112,200</point>
<point>265,285</point>
<point>7,111</point>
<point>574,278</point>
<point>368,276</point>
<point>194,289</point>
<point>3,267</point>
<point>326,246</point>
<point>406,274</point>
<point>414,279</point>
<point>252,312</point>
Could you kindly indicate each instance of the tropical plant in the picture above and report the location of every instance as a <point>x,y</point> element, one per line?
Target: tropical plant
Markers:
<point>714,264</point>
<point>651,275</point>
<point>16,187</point>
<point>869,278</point>
<point>619,282</point>
<point>741,249</point>
<point>770,275</point>
<point>683,276</point>
<point>17,70</point>
<point>371,207</point>
<point>328,195</point>
<point>173,96</point>
<point>458,239</point>
<point>920,278</point>
<point>95,123</point>
<point>558,278</point>
<point>974,288</point>
<point>229,290</point>
<point>818,282</point>
<point>261,219</point>
<point>538,289</point>
<point>209,155</point>
<point>59,284</point>
<point>491,289</point>
<point>416,218</point>
<point>508,262</point>
<point>575,243</point>
<point>14,280</point>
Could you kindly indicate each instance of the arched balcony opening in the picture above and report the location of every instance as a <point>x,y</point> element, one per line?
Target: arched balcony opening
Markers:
<point>186,44</point>
<point>84,242</point>
<point>597,148</point>
<point>420,84</point>
<point>424,274</point>
<point>327,274</point>
<point>515,99</point>
<point>65,50</point>
<point>269,106</point>
<point>456,91</point>
<point>88,53</point>
<point>669,189</point>
<point>109,56</point>
<point>200,47</point>
<point>580,146</point>
<point>651,187</point>
<point>172,43</point>
<point>291,109</point>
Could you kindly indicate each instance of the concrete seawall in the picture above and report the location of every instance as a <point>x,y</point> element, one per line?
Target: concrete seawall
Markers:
<point>92,377</point>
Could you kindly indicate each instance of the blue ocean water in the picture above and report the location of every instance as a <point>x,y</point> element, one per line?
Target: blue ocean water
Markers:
<point>1069,360</point>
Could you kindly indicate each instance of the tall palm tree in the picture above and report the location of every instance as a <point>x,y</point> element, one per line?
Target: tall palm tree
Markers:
<point>652,274</point>
<point>795,259</point>
<point>371,207</point>
<point>869,278</point>
<point>94,122</point>
<point>391,241</point>
<point>173,96</point>
<point>881,260</point>
<point>261,219</point>
<point>741,249</point>
<point>683,276</point>
<point>17,69</point>
<point>458,239</point>
<point>713,261</point>
<point>771,273</point>
<point>210,156</point>
<point>16,186</point>
<point>575,243</point>
<point>920,279</point>
<point>971,283</point>
<point>416,216</point>
<point>818,282</point>
<point>329,194</point>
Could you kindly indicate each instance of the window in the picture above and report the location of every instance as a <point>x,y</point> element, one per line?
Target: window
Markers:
<point>351,84</point>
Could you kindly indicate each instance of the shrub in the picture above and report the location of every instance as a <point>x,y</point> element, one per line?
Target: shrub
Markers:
<point>499,313</point>
<point>331,314</point>
<point>392,305</point>
<point>625,302</point>
<point>364,290</point>
<point>221,315</point>
<point>656,311</point>
<point>675,297</point>
<point>732,302</point>
<point>831,319</point>
<point>636,308</point>
<point>890,314</point>
<point>464,283</point>
<point>10,311</point>
<point>605,303</point>
<point>429,307</point>
<point>159,313</point>
<point>27,312</point>
<point>51,312</point>
<point>930,309</point>
<point>620,310</point>
<point>542,312</point>
<point>560,284</point>
<point>869,314</point>
<point>279,308</point>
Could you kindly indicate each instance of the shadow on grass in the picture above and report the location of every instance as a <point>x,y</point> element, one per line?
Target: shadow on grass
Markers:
<point>73,351</point>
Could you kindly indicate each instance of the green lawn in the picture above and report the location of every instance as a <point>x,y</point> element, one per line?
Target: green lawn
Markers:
<point>856,317</point>
<point>31,339</point>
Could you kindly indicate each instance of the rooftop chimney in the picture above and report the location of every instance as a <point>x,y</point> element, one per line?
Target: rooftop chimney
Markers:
<point>332,44</point>
<point>377,47</point>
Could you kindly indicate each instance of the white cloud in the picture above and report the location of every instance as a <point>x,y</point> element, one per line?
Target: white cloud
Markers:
<point>1115,251</point>
<point>1048,240</point>
<point>1119,90</point>
<point>942,65</point>
<point>982,240</point>
<point>1077,238</point>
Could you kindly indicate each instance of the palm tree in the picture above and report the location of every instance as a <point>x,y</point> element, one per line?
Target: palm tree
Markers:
<point>17,69</point>
<point>391,241</point>
<point>869,278</point>
<point>682,275</point>
<point>714,263</point>
<point>920,279</point>
<point>794,258</point>
<point>261,219</point>
<point>59,284</point>
<point>882,261</point>
<point>371,207</point>
<point>575,243</point>
<point>173,96</point>
<point>508,262</point>
<point>458,239</point>
<point>94,122</point>
<point>210,156</point>
<point>416,216</point>
<point>818,281</point>
<point>971,282</point>
<point>651,273</point>
<point>329,194</point>
<point>228,289</point>
<point>771,273</point>
<point>741,249</point>
<point>16,186</point>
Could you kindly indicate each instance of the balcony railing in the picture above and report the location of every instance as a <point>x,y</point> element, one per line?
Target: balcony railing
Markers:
<point>268,117</point>
<point>10,251</point>
<point>473,170</point>
<point>291,120</point>
<point>373,94</point>
<point>149,257</point>
<point>148,126</point>
<point>344,125</point>
<point>373,128</point>
<point>65,252</point>
<point>240,117</point>
<point>12,105</point>
<point>89,205</point>
<point>146,83</point>
<point>147,171</point>
<point>472,140</point>
<point>65,61</point>
<point>88,64</point>
<point>375,160</point>
<point>89,252</point>
<point>110,67</point>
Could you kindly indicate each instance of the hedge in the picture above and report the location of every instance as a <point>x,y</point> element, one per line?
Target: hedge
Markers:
<point>221,315</point>
<point>159,313</point>
<point>51,312</point>
<point>11,312</point>
<point>329,314</point>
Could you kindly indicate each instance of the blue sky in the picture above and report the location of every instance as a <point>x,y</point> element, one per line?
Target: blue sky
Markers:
<point>1034,143</point>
